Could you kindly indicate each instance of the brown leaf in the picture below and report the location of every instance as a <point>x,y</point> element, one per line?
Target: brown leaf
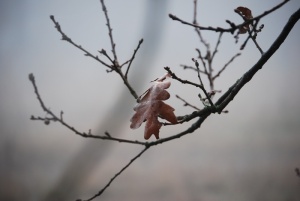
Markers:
<point>247,14</point>
<point>151,106</point>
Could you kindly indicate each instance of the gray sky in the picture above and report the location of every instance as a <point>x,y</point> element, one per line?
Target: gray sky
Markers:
<point>233,156</point>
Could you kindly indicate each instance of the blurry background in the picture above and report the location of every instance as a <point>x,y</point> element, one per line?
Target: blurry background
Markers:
<point>248,154</point>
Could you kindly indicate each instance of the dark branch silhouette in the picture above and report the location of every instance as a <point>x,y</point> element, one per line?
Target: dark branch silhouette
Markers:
<point>233,26</point>
<point>209,108</point>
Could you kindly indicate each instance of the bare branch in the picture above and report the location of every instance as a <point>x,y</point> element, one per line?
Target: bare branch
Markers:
<point>228,96</point>
<point>233,28</point>
<point>203,88</point>
<point>218,29</point>
<point>250,32</point>
<point>217,45</point>
<point>234,89</point>
<point>125,80</point>
<point>186,103</point>
<point>198,71</point>
<point>196,23</point>
<point>191,68</point>
<point>190,130</point>
<point>53,117</point>
<point>118,173</point>
<point>181,80</point>
<point>225,66</point>
<point>68,39</point>
<point>132,58</point>
<point>219,106</point>
<point>114,67</point>
<point>113,45</point>
<point>202,60</point>
<point>103,51</point>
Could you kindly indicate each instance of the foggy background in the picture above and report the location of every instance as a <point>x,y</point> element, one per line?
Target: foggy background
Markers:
<point>248,154</point>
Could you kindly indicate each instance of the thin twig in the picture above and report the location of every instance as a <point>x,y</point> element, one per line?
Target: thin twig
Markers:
<point>234,89</point>
<point>191,68</point>
<point>60,120</point>
<point>107,56</point>
<point>125,80</point>
<point>202,60</point>
<point>118,173</point>
<point>197,30</point>
<point>68,39</point>
<point>210,58</point>
<point>225,66</point>
<point>250,32</point>
<point>233,28</point>
<point>186,103</point>
<point>254,38</point>
<point>210,69</point>
<point>203,88</point>
<point>198,71</point>
<point>132,58</point>
<point>123,64</point>
<point>217,45</point>
<point>113,45</point>
<point>115,62</point>
<point>209,28</point>
<point>190,130</point>
<point>114,67</point>
<point>174,76</point>
<point>228,96</point>
<point>181,80</point>
<point>257,45</point>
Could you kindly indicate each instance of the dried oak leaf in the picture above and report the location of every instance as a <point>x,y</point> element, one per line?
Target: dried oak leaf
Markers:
<point>151,106</point>
<point>247,14</point>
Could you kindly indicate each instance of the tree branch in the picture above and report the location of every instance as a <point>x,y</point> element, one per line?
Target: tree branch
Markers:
<point>197,30</point>
<point>113,45</point>
<point>187,103</point>
<point>228,96</point>
<point>60,120</point>
<point>225,66</point>
<point>68,39</point>
<point>217,45</point>
<point>116,175</point>
<point>234,89</point>
<point>132,58</point>
<point>233,28</point>
<point>222,102</point>
<point>174,76</point>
